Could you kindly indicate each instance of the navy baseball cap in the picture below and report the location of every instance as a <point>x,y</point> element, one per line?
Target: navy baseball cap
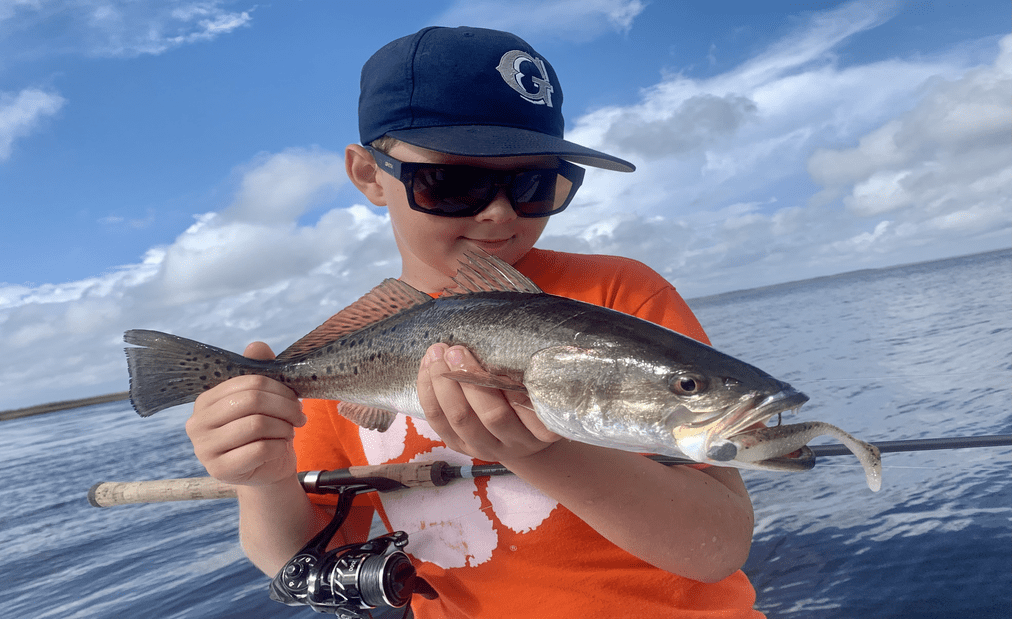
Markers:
<point>471,92</point>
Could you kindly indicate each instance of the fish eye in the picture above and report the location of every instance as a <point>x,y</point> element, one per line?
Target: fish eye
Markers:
<point>687,384</point>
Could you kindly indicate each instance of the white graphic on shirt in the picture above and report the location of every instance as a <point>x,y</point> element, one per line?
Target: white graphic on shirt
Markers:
<point>516,503</point>
<point>381,447</point>
<point>446,525</point>
<point>423,428</point>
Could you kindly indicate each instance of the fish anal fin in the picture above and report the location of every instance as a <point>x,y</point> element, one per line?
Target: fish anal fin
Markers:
<point>368,417</point>
<point>389,298</point>
<point>481,272</point>
<point>486,379</point>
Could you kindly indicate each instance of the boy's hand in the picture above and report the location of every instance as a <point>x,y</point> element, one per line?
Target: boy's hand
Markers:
<point>481,422</point>
<point>242,430</point>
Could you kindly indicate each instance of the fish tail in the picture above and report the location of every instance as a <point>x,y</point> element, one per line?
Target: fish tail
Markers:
<point>167,370</point>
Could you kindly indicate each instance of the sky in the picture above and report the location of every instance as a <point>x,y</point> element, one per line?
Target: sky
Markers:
<point>178,165</point>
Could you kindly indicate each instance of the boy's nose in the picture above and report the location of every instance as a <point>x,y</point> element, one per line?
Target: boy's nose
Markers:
<point>499,210</point>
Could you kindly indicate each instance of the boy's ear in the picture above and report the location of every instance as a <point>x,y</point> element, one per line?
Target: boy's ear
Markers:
<point>363,172</point>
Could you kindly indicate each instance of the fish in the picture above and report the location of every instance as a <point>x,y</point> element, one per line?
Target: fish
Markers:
<point>591,374</point>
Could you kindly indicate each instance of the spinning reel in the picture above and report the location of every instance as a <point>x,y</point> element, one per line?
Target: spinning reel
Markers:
<point>351,580</point>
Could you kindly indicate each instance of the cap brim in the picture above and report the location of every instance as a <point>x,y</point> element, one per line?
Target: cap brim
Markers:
<point>492,141</point>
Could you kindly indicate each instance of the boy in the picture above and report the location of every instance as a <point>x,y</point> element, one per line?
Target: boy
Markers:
<point>580,531</point>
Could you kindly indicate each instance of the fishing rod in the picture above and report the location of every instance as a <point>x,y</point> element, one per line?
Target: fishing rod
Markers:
<point>392,477</point>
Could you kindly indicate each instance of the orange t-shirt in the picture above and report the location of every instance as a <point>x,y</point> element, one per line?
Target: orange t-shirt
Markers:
<point>497,547</point>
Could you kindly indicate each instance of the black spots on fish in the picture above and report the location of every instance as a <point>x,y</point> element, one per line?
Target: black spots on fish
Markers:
<point>329,370</point>
<point>217,374</point>
<point>425,336</point>
<point>314,377</point>
<point>354,370</point>
<point>330,348</point>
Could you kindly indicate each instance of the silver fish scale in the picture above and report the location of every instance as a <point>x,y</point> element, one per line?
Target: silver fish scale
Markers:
<point>378,365</point>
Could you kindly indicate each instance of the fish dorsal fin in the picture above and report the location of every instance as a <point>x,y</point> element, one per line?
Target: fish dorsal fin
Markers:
<point>389,298</point>
<point>481,272</point>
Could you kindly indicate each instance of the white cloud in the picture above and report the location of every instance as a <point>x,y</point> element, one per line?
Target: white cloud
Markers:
<point>574,20</point>
<point>282,187</point>
<point>241,273</point>
<point>121,28</point>
<point>20,114</point>
<point>786,167</point>
<point>930,171</point>
<point>9,7</point>
<point>695,122</point>
<point>944,165</point>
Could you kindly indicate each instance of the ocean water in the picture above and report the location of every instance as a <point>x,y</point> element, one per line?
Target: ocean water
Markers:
<point>909,352</point>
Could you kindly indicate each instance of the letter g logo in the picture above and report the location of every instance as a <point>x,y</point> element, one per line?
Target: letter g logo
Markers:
<point>509,69</point>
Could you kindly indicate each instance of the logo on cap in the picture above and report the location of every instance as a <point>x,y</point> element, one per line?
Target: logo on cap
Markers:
<point>509,69</point>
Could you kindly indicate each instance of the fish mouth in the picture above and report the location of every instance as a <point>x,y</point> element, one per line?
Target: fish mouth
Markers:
<point>718,441</point>
<point>792,458</point>
<point>738,439</point>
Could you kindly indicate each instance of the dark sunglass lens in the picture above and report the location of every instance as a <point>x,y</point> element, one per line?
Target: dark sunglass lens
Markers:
<point>537,193</point>
<point>450,189</point>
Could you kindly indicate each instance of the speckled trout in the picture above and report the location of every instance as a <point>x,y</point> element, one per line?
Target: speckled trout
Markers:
<point>592,374</point>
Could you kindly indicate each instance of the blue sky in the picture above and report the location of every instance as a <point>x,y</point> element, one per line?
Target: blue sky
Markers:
<point>177,165</point>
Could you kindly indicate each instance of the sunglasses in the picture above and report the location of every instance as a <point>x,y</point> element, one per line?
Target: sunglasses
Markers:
<point>463,191</point>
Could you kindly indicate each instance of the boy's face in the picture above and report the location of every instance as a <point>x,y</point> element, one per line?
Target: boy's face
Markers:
<point>431,246</point>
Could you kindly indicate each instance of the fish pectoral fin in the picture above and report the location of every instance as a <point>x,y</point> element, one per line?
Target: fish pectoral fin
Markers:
<point>368,417</point>
<point>486,379</point>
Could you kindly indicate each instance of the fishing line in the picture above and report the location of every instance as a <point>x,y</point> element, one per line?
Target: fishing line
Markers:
<point>895,376</point>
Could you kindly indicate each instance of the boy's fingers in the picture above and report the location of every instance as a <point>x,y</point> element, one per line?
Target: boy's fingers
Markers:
<point>437,394</point>
<point>248,430</point>
<point>243,396</point>
<point>481,420</point>
<point>259,351</point>
<point>525,411</point>
<point>240,465</point>
<point>494,411</point>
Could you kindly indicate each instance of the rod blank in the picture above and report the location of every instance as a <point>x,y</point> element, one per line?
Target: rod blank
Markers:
<point>922,444</point>
<point>111,493</point>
